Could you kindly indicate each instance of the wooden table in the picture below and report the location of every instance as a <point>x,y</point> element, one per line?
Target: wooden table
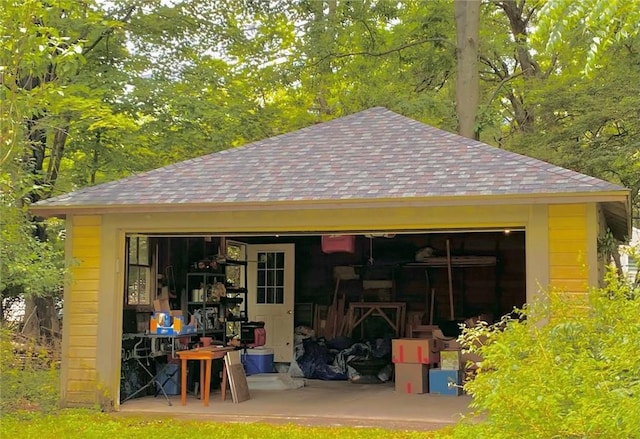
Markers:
<point>205,355</point>
<point>359,311</point>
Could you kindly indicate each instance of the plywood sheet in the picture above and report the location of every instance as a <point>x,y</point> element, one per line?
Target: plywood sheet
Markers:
<point>237,380</point>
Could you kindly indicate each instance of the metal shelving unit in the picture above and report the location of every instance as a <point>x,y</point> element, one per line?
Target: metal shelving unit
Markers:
<point>220,318</point>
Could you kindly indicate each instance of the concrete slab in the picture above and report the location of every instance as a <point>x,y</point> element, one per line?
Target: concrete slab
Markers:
<point>327,403</point>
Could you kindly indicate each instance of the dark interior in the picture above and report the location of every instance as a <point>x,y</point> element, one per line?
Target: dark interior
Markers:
<point>491,289</point>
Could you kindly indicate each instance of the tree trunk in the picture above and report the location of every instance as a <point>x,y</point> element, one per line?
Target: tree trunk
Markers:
<point>467,15</point>
<point>518,22</point>
<point>40,317</point>
<point>324,23</point>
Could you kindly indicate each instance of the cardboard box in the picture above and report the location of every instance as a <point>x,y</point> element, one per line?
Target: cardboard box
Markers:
<point>445,382</point>
<point>412,378</point>
<point>415,350</point>
<point>451,360</point>
<point>161,305</point>
<point>165,324</point>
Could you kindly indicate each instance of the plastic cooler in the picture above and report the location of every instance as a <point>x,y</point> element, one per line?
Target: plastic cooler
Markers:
<point>257,361</point>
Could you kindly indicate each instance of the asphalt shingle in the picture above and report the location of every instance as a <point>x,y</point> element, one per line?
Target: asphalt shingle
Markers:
<point>372,154</point>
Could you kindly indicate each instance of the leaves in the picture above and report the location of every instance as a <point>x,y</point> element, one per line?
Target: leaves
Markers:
<point>565,371</point>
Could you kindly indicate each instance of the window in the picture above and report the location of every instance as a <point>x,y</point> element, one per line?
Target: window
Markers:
<point>138,271</point>
<point>270,277</point>
<point>236,251</point>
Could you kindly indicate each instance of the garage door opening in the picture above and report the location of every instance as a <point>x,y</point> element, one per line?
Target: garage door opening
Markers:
<point>380,286</point>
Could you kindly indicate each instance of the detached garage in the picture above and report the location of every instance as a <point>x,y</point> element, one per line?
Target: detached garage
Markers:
<point>364,226</point>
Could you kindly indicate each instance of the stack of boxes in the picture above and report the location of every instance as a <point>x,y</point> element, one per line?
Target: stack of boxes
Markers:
<point>428,365</point>
<point>447,379</point>
<point>413,358</point>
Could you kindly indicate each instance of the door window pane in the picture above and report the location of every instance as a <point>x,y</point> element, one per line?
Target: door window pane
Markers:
<point>270,277</point>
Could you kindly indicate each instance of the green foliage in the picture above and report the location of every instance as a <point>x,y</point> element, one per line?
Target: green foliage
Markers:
<point>29,380</point>
<point>570,369</point>
<point>27,265</point>
<point>599,23</point>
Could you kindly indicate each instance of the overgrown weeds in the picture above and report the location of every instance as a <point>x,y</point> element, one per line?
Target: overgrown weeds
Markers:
<point>29,374</point>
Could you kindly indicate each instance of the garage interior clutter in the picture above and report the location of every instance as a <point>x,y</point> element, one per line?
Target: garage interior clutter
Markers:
<point>360,307</point>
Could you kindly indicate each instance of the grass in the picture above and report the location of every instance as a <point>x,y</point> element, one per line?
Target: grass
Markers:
<point>29,399</point>
<point>77,423</point>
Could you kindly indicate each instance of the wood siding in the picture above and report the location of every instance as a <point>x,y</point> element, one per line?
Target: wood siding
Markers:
<point>568,247</point>
<point>80,381</point>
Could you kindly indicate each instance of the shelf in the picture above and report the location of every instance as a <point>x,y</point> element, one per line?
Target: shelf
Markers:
<point>233,262</point>
<point>231,300</point>
<point>456,261</point>
<point>237,319</point>
<point>206,272</point>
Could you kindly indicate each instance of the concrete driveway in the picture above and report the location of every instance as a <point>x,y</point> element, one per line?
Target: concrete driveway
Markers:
<point>318,403</point>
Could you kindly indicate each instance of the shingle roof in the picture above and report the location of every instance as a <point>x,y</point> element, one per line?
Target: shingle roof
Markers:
<point>371,154</point>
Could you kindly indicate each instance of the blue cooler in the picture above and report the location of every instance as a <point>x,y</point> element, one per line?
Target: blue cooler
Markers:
<point>169,378</point>
<point>257,360</point>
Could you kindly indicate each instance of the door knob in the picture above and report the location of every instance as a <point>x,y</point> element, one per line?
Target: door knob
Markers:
<point>289,312</point>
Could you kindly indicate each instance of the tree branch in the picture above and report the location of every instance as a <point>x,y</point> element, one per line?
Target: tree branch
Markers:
<point>109,31</point>
<point>383,53</point>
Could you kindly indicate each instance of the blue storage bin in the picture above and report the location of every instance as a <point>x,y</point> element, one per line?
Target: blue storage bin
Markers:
<point>169,378</point>
<point>439,380</point>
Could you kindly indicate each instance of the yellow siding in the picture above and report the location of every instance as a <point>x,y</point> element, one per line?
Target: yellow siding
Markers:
<point>81,313</point>
<point>568,247</point>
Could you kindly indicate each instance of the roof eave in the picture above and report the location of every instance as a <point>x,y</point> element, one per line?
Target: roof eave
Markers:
<point>616,197</point>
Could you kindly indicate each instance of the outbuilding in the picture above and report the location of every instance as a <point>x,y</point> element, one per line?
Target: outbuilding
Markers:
<point>371,208</point>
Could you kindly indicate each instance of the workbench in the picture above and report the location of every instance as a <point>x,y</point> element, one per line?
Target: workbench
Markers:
<point>392,312</point>
<point>205,355</point>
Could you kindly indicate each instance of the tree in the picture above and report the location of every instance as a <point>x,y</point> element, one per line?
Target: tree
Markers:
<point>600,23</point>
<point>46,46</point>
<point>467,83</point>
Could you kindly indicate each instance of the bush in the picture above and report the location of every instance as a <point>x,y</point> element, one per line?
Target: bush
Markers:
<point>29,380</point>
<point>570,368</point>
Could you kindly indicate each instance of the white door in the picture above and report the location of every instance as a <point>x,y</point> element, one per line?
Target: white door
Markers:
<point>271,278</point>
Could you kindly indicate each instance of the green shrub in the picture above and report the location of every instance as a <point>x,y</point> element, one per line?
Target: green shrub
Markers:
<point>570,369</point>
<point>28,379</point>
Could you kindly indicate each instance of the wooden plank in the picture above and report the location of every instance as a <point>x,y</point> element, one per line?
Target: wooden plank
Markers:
<point>230,378</point>
<point>565,210</point>
<point>86,232</point>
<point>450,275</point>
<point>81,341</point>
<point>82,273</point>
<point>237,379</point>
<point>240,388</point>
<point>86,220</point>
<point>568,272</point>
<point>91,261</point>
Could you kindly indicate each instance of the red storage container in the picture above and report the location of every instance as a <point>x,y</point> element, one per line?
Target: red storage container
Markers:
<point>338,243</point>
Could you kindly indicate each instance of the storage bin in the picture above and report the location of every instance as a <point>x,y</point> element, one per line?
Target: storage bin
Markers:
<point>439,380</point>
<point>169,378</point>
<point>338,243</point>
<point>257,361</point>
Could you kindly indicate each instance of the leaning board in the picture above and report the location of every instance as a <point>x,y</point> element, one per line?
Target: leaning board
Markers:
<point>237,378</point>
